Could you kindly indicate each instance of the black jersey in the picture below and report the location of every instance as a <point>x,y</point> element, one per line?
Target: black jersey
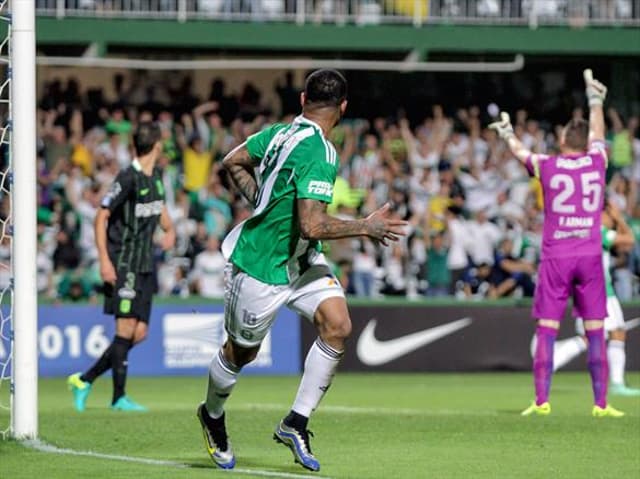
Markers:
<point>135,201</point>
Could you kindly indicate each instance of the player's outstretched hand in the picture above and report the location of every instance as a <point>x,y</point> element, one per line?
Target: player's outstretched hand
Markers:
<point>382,228</point>
<point>503,127</point>
<point>596,91</point>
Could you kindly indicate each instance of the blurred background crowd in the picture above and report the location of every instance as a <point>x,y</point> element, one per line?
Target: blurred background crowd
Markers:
<point>475,215</point>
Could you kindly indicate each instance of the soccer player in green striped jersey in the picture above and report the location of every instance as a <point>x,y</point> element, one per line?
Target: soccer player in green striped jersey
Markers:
<point>287,173</point>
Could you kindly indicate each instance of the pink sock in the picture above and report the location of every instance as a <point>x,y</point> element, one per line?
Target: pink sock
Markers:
<point>598,366</point>
<point>543,362</point>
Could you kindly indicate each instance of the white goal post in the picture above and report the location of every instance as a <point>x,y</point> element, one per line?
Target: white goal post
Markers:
<point>24,377</point>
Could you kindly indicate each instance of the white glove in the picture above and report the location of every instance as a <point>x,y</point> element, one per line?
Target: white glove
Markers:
<point>596,91</point>
<point>503,127</point>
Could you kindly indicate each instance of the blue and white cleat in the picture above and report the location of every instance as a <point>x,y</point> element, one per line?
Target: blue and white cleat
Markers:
<point>216,441</point>
<point>80,391</point>
<point>298,442</point>
<point>125,403</point>
<point>622,390</point>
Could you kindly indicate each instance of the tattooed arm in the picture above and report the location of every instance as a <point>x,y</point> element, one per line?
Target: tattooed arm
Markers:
<point>240,167</point>
<point>316,224</point>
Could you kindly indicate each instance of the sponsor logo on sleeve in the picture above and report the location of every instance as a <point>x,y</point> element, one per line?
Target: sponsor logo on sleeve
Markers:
<point>323,188</point>
<point>115,190</point>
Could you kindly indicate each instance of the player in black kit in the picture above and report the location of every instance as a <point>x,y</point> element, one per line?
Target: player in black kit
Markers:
<point>124,227</point>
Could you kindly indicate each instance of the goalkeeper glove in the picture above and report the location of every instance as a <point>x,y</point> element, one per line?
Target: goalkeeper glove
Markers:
<point>503,127</point>
<point>596,91</point>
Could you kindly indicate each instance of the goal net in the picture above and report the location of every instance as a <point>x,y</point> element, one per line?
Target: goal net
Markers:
<point>18,299</point>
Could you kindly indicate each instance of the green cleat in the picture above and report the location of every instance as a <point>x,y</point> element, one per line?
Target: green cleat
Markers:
<point>622,390</point>
<point>127,404</point>
<point>608,411</point>
<point>80,391</point>
<point>543,409</point>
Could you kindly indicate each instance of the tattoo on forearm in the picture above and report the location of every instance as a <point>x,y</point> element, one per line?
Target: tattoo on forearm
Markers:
<point>244,181</point>
<point>316,224</point>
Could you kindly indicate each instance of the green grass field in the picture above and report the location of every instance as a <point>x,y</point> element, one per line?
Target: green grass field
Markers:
<point>369,426</point>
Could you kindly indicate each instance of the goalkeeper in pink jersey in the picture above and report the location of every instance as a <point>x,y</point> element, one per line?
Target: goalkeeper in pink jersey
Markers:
<point>573,185</point>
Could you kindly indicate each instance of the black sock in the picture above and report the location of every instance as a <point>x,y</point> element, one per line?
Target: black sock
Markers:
<point>296,421</point>
<point>212,423</point>
<point>102,365</point>
<point>119,354</point>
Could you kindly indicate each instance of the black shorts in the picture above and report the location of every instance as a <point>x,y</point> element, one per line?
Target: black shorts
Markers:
<point>131,297</point>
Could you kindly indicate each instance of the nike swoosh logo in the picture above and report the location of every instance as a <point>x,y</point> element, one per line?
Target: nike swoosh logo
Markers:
<point>144,192</point>
<point>373,352</point>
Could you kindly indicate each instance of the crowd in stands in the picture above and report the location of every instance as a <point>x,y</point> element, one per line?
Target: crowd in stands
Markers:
<point>365,10</point>
<point>475,215</point>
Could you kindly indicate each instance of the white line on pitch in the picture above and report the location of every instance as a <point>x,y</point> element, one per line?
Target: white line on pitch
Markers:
<point>363,410</point>
<point>41,446</point>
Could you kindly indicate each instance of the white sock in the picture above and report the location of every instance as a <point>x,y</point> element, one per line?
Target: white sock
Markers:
<point>567,349</point>
<point>319,369</point>
<point>222,377</point>
<point>617,358</point>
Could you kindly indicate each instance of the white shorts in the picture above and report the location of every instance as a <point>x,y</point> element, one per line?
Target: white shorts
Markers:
<point>250,306</point>
<point>613,321</point>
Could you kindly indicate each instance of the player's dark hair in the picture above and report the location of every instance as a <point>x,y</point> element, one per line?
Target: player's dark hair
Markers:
<point>576,134</point>
<point>325,88</point>
<point>145,137</point>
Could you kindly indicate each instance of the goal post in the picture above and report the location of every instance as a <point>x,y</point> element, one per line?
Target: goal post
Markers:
<point>24,414</point>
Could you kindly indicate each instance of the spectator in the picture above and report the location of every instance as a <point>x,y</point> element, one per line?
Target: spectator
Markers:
<point>457,259</point>
<point>289,96</point>
<point>364,267</point>
<point>510,273</point>
<point>476,282</point>
<point>483,238</point>
<point>196,163</point>
<point>437,275</point>
<point>208,271</point>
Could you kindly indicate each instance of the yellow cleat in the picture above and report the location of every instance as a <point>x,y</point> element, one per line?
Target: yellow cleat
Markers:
<point>608,411</point>
<point>543,409</point>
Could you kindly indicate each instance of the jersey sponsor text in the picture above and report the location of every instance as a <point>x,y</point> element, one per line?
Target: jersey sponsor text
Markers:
<point>320,188</point>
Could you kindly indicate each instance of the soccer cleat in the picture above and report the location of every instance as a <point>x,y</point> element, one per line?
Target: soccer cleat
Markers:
<point>125,403</point>
<point>608,411</point>
<point>298,442</point>
<point>543,409</point>
<point>217,441</point>
<point>80,391</point>
<point>622,390</point>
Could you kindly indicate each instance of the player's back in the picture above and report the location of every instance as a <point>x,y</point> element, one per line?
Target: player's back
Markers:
<point>573,189</point>
<point>297,162</point>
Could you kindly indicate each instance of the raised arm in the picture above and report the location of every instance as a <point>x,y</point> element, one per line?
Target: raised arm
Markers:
<point>316,224</point>
<point>199,113</point>
<point>240,165</point>
<point>596,93</point>
<point>505,131</point>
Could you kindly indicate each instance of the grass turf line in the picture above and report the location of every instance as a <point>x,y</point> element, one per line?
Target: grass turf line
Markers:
<point>447,426</point>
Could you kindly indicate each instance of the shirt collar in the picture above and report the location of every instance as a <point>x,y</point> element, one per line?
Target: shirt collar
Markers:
<point>303,119</point>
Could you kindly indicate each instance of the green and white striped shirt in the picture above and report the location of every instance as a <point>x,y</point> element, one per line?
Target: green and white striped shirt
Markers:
<point>296,161</point>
